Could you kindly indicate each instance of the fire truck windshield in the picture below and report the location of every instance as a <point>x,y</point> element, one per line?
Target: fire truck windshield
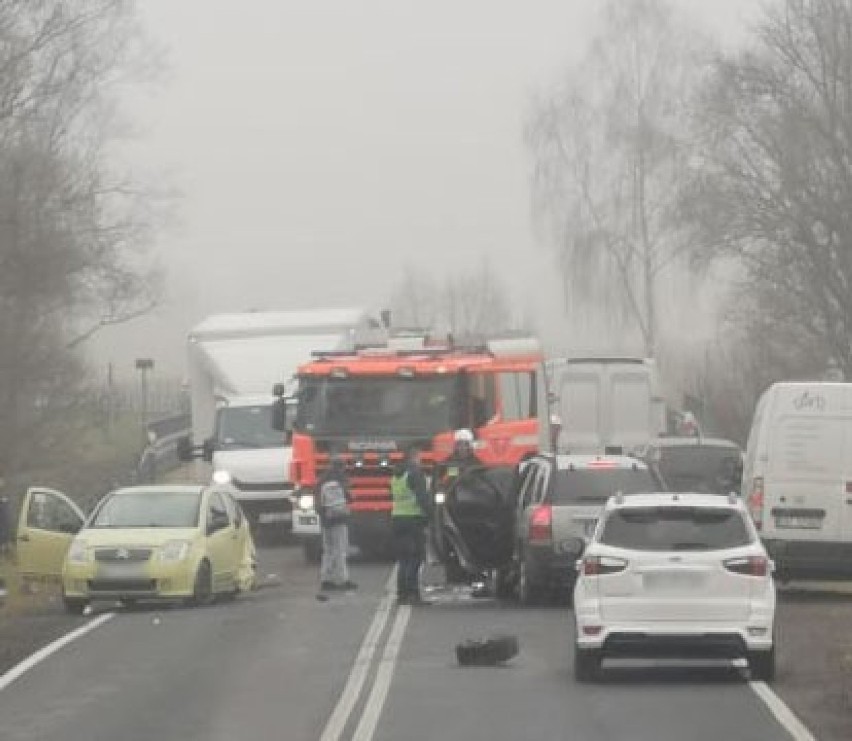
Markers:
<point>377,405</point>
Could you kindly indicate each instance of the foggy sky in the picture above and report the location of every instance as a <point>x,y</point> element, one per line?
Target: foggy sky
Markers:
<point>321,147</point>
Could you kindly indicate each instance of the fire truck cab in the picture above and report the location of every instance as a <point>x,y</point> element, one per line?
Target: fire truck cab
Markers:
<point>369,405</point>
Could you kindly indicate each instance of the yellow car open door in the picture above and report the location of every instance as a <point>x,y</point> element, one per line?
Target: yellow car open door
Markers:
<point>48,522</point>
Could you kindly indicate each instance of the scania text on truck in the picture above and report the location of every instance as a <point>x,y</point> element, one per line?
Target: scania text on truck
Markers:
<point>234,361</point>
<point>370,405</point>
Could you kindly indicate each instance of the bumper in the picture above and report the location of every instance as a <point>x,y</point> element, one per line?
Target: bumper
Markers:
<point>267,507</point>
<point>676,640</point>
<point>142,581</point>
<point>811,559</point>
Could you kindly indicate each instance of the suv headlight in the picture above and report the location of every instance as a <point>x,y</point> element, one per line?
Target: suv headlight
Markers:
<point>306,502</point>
<point>175,550</point>
<point>78,552</point>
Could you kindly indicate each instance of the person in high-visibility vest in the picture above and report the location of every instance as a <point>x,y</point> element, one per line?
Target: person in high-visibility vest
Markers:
<point>410,515</point>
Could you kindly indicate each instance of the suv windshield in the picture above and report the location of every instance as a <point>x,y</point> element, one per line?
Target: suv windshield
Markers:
<point>598,485</point>
<point>247,427</point>
<point>385,405</point>
<point>675,529</point>
<point>143,509</point>
<point>702,468</point>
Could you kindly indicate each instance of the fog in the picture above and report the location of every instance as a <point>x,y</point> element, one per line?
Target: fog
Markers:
<point>322,147</point>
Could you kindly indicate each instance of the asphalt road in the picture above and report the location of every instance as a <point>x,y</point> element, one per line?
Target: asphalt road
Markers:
<point>275,665</point>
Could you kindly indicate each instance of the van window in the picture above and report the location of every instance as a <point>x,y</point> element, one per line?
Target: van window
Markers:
<point>517,395</point>
<point>807,446</point>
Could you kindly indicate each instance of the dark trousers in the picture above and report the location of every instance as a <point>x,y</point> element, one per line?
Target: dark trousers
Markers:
<point>408,541</point>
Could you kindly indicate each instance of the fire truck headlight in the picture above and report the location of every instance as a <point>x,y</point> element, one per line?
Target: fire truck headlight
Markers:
<point>306,502</point>
<point>440,497</point>
<point>359,463</point>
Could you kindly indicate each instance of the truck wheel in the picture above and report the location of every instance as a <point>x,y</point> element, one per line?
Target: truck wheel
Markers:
<point>762,665</point>
<point>587,664</point>
<point>312,550</point>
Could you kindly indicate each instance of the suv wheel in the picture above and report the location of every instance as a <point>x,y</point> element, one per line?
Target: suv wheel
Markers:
<point>529,592</point>
<point>587,664</point>
<point>762,665</point>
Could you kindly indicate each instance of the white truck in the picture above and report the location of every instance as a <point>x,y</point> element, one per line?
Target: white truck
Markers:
<point>234,361</point>
<point>599,405</point>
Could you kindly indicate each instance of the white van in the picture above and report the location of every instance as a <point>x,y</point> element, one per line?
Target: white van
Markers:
<point>797,478</point>
<point>605,405</point>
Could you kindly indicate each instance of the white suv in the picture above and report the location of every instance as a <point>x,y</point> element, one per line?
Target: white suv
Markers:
<point>674,575</point>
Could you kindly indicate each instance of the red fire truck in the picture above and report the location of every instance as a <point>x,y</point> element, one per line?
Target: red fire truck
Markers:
<point>370,404</point>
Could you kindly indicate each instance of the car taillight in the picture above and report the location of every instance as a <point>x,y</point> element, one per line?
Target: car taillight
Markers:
<point>755,502</point>
<point>541,524</point>
<point>750,566</point>
<point>602,565</point>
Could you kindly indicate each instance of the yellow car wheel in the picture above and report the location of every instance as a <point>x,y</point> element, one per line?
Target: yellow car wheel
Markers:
<point>202,590</point>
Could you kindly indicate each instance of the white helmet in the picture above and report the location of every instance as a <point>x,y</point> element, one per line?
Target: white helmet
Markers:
<point>463,436</point>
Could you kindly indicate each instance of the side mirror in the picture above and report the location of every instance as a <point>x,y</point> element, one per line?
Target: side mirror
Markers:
<point>278,390</point>
<point>279,414</point>
<point>184,449</point>
<point>207,449</point>
<point>218,521</point>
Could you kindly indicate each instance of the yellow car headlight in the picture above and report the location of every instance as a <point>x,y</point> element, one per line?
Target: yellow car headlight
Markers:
<point>79,552</point>
<point>175,550</point>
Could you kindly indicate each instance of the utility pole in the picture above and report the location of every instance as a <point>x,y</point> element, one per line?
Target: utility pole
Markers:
<point>143,365</point>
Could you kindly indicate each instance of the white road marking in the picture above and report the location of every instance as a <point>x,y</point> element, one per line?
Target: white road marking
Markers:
<point>378,695</point>
<point>16,672</point>
<point>361,668</point>
<point>782,713</point>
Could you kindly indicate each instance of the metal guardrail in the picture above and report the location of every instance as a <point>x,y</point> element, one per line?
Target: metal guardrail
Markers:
<point>161,456</point>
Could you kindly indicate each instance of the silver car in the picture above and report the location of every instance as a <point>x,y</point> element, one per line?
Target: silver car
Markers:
<point>559,500</point>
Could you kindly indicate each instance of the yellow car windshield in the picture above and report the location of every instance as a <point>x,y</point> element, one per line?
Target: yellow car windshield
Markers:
<point>149,509</point>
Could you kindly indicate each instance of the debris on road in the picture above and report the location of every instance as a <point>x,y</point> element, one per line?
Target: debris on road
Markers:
<point>487,651</point>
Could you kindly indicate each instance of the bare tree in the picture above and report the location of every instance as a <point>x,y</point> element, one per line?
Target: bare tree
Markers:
<point>474,302</point>
<point>610,151</point>
<point>776,175</point>
<point>73,231</point>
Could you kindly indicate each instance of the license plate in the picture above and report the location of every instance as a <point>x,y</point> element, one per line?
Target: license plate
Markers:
<point>787,522</point>
<point>671,582</point>
<point>307,520</point>
<point>265,517</point>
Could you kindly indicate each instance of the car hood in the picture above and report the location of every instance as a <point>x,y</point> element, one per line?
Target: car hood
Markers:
<point>255,466</point>
<point>122,537</point>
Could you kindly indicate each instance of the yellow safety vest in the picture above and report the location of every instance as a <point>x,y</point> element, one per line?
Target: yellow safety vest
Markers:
<point>405,502</point>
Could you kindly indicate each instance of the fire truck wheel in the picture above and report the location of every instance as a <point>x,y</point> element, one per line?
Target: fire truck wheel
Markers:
<point>312,550</point>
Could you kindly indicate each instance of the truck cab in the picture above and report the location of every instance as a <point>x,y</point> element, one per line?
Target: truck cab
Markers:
<point>248,452</point>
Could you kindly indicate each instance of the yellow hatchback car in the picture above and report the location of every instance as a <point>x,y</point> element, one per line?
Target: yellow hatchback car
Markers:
<point>188,543</point>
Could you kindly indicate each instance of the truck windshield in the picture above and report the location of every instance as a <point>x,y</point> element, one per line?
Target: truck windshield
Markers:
<point>247,427</point>
<point>703,468</point>
<point>383,405</point>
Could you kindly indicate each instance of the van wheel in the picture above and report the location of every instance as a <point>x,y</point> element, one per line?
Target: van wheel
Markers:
<point>762,665</point>
<point>312,550</point>
<point>74,605</point>
<point>202,591</point>
<point>587,664</point>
